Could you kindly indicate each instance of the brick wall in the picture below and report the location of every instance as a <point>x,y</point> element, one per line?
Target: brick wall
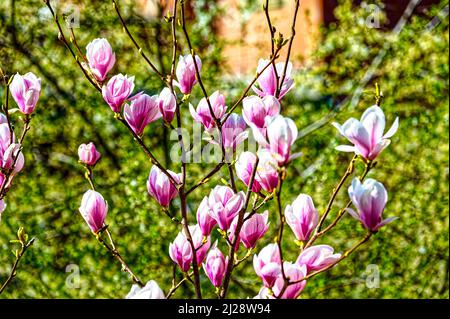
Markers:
<point>249,41</point>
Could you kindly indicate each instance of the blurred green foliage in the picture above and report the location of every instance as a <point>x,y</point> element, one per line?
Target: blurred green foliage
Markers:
<point>411,254</point>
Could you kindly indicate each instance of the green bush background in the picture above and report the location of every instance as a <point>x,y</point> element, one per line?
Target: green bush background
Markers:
<point>411,253</point>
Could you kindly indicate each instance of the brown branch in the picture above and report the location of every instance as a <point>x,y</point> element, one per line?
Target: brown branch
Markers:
<point>344,255</point>
<point>272,39</point>
<point>115,253</point>
<point>279,237</point>
<point>291,41</point>
<point>205,179</point>
<point>175,287</point>
<point>19,255</point>
<point>247,89</point>
<point>347,173</point>
<point>240,222</point>
<point>62,37</point>
<point>138,47</point>
<point>317,233</point>
<point>8,174</point>
<point>147,150</point>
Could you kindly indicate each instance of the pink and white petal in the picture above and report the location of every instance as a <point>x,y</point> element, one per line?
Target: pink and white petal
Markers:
<point>259,137</point>
<point>338,127</point>
<point>374,122</point>
<point>295,155</point>
<point>353,213</point>
<point>386,221</point>
<point>345,148</point>
<point>379,147</point>
<point>393,129</point>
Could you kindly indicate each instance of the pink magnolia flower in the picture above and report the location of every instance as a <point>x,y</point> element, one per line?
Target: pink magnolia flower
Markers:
<point>215,266</point>
<point>302,216</point>
<point>369,198</point>
<point>26,90</point>
<point>180,252</point>
<point>117,91</point>
<point>232,233</point>
<point>317,257</point>
<point>267,81</point>
<point>294,272</point>
<point>101,58</point>
<point>233,131</point>
<point>94,209</point>
<point>141,111</point>
<point>244,169</point>
<point>160,187</point>
<point>201,243</point>
<point>205,221</point>
<point>5,138</point>
<point>13,158</point>
<point>10,153</point>
<point>88,154</point>
<point>281,135</point>
<point>203,115</point>
<point>151,290</point>
<point>167,103</point>
<point>367,134</point>
<point>267,172</point>
<point>258,112</point>
<point>224,205</point>
<point>267,264</point>
<point>253,229</point>
<point>186,74</point>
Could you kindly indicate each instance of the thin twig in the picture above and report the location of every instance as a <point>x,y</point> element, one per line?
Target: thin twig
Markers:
<point>62,37</point>
<point>291,41</point>
<point>279,237</point>
<point>147,150</point>
<point>247,89</point>
<point>240,222</point>
<point>19,255</point>
<point>175,286</point>
<point>115,253</point>
<point>138,47</point>
<point>272,40</point>
<point>318,234</point>
<point>344,255</point>
<point>205,179</point>
<point>348,172</point>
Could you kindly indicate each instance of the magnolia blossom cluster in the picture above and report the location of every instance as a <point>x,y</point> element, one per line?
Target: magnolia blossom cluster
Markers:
<point>302,218</point>
<point>25,90</point>
<point>140,109</point>
<point>225,208</point>
<point>267,265</point>
<point>219,209</point>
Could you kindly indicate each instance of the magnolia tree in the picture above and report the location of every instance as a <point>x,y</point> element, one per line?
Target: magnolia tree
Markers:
<point>25,90</point>
<point>240,215</point>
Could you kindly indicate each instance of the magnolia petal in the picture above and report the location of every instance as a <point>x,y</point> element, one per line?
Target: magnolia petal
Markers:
<point>386,221</point>
<point>352,213</point>
<point>345,148</point>
<point>393,129</point>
